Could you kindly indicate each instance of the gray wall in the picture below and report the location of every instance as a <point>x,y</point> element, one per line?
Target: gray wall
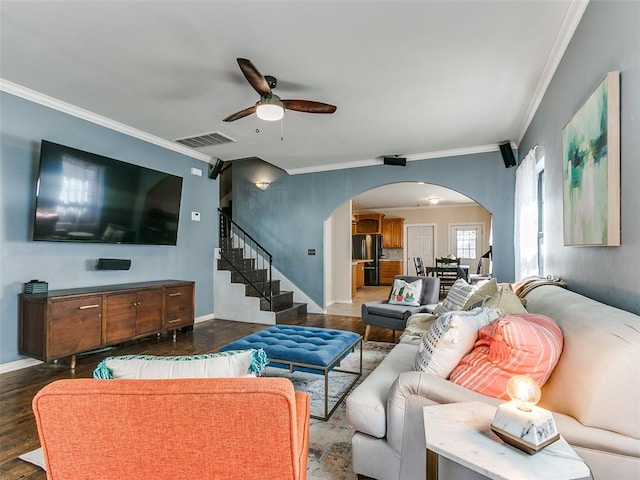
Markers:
<point>288,217</point>
<point>607,39</point>
<point>23,125</point>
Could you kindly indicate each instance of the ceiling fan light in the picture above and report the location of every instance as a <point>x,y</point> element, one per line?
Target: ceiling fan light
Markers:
<point>270,109</point>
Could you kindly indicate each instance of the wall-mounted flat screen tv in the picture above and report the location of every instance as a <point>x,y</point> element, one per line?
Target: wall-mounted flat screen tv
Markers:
<point>84,197</point>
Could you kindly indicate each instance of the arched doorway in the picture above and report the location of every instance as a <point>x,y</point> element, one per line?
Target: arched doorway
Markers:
<point>436,221</point>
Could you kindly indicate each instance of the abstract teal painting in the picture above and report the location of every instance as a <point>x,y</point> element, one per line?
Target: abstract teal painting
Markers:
<point>591,168</point>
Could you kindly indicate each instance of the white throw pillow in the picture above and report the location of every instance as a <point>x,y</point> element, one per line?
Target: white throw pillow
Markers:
<point>451,337</point>
<point>404,293</point>
<point>234,363</point>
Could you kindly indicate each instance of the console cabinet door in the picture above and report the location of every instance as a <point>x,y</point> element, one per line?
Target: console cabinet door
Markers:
<point>130,315</point>
<point>120,317</point>
<point>74,325</point>
<point>178,306</point>
<point>149,311</point>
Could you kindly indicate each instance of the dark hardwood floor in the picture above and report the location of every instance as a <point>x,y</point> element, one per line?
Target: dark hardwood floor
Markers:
<point>18,432</point>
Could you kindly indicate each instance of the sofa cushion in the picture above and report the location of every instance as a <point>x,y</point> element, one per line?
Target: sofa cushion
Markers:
<point>417,324</point>
<point>238,363</point>
<point>527,344</point>
<point>406,293</point>
<point>601,354</point>
<point>393,311</point>
<point>450,337</point>
<point>367,404</point>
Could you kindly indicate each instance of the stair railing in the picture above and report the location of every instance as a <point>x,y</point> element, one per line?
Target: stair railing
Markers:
<point>246,257</point>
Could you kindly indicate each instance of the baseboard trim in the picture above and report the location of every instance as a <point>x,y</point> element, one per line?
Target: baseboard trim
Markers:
<point>18,365</point>
<point>203,318</point>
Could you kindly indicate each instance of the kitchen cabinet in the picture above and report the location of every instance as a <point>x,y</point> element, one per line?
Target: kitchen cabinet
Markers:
<point>393,233</point>
<point>357,276</point>
<point>388,270</point>
<point>368,223</point>
<point>354,274</point>
<point>63,323</point>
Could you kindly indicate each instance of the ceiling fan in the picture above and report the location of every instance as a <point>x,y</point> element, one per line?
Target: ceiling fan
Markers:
<point>270,106</point>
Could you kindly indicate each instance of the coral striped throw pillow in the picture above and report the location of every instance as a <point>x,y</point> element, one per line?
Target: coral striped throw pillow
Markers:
<point>517,344</point>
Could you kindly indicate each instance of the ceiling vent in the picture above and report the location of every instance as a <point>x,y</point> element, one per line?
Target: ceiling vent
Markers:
<point>205,140</point>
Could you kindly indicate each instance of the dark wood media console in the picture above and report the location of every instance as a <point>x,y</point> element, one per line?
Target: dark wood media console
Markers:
<point>63,323</point>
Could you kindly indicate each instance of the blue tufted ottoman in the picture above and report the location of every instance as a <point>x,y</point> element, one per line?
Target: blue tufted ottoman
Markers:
<point>308,349</point>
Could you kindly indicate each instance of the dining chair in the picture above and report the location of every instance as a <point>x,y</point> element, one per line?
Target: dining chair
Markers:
<point>448,271</point>
<point>420,271</point>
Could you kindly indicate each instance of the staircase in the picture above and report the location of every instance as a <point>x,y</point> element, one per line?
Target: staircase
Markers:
<point>249,265</point>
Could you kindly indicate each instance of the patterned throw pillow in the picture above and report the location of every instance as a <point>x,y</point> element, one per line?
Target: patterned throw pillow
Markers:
<point>404,293</point>
<point>234,363</point>
<point>450,338</point>
<point>457,297</point>
<point>525,344</point>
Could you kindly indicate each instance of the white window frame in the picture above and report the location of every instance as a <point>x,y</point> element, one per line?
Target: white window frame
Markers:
<point>453,238</point>
<point>540,185</point>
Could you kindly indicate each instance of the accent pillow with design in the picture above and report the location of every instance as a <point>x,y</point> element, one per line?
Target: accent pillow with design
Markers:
<point>525,344</point>
<point>404,293</point>
<point>234,363</point>
<point>450,337</point>
<point>457,297</point>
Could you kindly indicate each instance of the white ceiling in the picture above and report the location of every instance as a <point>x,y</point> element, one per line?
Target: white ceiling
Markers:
<point>408,194</point>
<point>416,78</point>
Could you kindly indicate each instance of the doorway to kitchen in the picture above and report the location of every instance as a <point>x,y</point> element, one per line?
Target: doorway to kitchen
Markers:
<point>419,243</point>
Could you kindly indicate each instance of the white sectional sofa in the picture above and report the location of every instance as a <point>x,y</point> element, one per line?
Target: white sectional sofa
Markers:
<point>594,392</point>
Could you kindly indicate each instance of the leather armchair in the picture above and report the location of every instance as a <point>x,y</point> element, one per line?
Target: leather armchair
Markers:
<point>387,315</point>
<point>210,428</point>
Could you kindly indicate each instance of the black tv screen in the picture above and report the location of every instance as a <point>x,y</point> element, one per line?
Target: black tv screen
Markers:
<point>84,197</point>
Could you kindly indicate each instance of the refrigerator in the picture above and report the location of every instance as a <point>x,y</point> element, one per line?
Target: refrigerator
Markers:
<point>368,246</point>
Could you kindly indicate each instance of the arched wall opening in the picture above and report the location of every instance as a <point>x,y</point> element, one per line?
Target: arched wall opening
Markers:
<point>431,216</point>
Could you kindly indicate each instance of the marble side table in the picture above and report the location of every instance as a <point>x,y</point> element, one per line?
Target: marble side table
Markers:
<point>461,433</point>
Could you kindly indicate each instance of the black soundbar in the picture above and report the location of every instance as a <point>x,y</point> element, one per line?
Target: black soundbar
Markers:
<point>399,161</point>
<point>113,264</point>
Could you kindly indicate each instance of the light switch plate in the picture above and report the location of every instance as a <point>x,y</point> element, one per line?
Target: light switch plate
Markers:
<point>195,216</point>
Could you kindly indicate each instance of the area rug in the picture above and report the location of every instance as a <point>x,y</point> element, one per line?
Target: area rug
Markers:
<point>330,441</point>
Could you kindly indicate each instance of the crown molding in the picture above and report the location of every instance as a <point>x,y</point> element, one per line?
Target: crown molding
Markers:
<point>410,158</point>
<point>64,107</point>
<point>568,28</point>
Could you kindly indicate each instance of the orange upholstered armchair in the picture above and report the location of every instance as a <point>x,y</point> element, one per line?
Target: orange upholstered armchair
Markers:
<point>212,428</point>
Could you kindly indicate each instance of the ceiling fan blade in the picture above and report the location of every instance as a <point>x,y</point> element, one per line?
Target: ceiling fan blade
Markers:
<point>308,106</point>
<point>240,114</point>
<point>254,77</point>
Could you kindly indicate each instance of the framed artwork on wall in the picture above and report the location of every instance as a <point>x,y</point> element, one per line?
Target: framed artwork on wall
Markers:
<point>591,168</point>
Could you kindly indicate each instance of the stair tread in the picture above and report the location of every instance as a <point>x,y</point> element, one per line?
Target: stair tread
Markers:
<point>282,302</point>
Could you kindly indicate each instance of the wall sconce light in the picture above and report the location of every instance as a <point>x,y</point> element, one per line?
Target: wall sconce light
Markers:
<point>434,200</point>
<point>261,185</point>
<point>522,424</point>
